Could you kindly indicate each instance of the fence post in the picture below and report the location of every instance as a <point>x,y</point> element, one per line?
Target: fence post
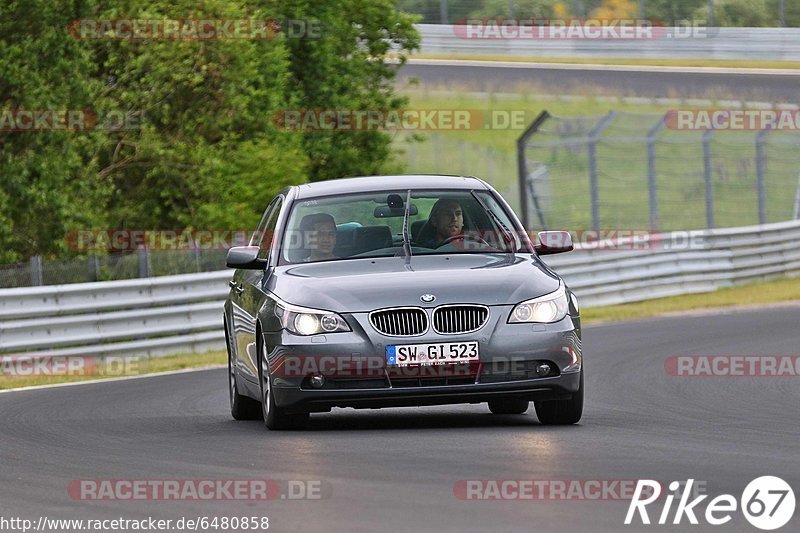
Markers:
<point>760,177</point>
<point>36,271</point>
<point>707,176</point>
<point>94,268</point>
<point>796,214</point>
<point>144,262</point>
<point>594,137</point>
<point>652,135</point>
<point>522,170</point>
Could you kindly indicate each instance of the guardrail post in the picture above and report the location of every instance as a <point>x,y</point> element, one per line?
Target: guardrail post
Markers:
<point>707,175</point>
<point>760,176</point>
<point>144,262</point>
<point>594,137</point>
<point>36,271</point>
<point>522,172</point>
<point>652,135</point>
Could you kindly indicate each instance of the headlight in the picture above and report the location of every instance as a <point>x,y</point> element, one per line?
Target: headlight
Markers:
<point>544,309</point>
<point>305,321</point>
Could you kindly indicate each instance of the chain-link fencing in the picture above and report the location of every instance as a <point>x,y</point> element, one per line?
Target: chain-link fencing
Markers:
<point>138,264</point>
<point>629,170</point>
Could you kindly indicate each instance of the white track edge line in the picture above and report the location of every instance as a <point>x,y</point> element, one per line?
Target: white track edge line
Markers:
<point>111,380</point>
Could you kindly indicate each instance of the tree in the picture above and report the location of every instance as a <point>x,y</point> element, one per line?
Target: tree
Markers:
<point>744,13</point>
<point>616,9</point>
<point>47,184</point>
<point>203,150</point>
<point>522,9</point>
<point>672,12</point>
<point>205,155</point>
<point>346,69</point>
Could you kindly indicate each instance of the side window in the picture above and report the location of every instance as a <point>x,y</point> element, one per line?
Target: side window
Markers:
<point>255,239</point>
<point>268,232</point>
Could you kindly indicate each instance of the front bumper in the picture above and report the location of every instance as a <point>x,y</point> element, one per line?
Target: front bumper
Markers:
<point>356,375</point>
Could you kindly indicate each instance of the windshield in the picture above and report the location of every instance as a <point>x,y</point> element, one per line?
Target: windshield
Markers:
<point>371,225</point>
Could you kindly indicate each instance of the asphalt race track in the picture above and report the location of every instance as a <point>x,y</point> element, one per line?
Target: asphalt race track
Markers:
<point>395,470</point>
<point>599,80</point>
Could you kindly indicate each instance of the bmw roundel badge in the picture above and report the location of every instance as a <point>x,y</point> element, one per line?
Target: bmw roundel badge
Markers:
<point>427,298</point>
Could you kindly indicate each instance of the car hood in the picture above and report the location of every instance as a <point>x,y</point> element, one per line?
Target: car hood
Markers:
<point>361,285</point>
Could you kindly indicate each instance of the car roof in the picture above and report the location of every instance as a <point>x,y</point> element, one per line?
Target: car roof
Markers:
<point>381,183</point>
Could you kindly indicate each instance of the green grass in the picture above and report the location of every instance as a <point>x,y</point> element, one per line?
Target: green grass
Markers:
<point>765,292</point>
<point>655,62</point>
<point>135,367</point>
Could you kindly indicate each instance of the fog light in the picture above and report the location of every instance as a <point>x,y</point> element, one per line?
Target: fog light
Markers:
<point>542,369</point>
<point>317,381</point>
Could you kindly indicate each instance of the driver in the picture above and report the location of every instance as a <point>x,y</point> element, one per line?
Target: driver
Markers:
<point>445,222</point>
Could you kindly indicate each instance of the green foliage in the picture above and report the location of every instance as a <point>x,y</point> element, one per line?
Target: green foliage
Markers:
<point>744,13</point>
<point>522,9</point>
<point>430,10</point>
<point>672,12</point>
<point>205,107</point>
<point>47,186</point>
<point>200,149</point>
<point>345,69</point>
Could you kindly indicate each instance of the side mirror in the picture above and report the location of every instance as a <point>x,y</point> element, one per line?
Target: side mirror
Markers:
<point>554,242</point>
<point>245,257</point>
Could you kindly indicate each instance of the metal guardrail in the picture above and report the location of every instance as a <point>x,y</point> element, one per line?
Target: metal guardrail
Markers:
<point>150,316</point>
<point>719,43</point>
<point>680,262</point>
<point>180,314</point>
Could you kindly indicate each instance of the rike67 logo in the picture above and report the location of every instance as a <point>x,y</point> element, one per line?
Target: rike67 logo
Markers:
<point>767,502</point>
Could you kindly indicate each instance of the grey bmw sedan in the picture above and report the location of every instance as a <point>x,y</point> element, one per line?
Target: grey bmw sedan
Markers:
<point>390,291</point>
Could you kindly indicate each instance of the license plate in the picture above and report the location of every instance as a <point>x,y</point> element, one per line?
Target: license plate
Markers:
<point>432,354</point>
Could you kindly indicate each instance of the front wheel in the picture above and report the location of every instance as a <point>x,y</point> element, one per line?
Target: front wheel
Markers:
<point>242,407</point>
<point>561,412</point>
<point>275,418</point>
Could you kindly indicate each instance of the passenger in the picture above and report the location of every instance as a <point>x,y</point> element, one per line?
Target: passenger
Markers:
<point>319,236</point>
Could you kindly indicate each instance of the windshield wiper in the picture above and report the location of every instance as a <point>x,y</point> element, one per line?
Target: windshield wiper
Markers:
<point>406,240</point>
<point>507,235</point>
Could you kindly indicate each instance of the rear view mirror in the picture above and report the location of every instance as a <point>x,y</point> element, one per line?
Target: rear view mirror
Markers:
<point>384,211</point>
<point>245,257</point>
<point>554,242</point>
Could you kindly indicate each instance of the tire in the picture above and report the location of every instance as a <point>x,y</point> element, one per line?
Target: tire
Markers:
<point>562,412</point>
<point>275,418</point>
<point>242,407</point>
<point>508,406</point>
